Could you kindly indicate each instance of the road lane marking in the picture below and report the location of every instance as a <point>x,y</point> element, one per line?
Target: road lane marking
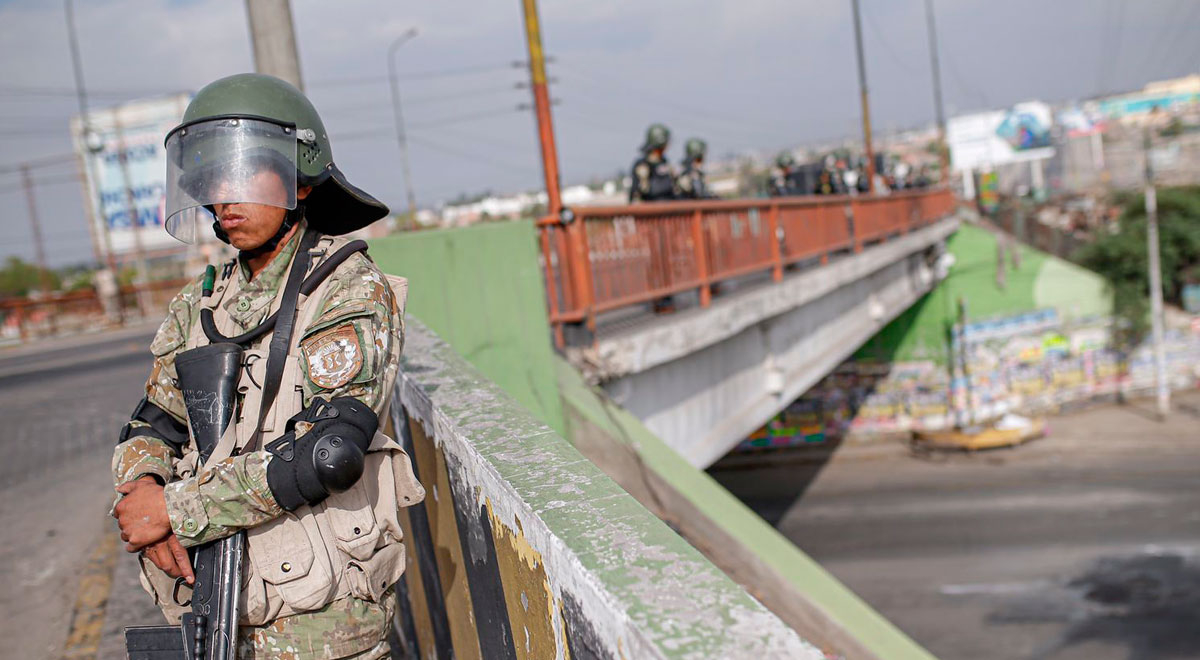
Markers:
<point>993,588</point>
<point>91,599</point>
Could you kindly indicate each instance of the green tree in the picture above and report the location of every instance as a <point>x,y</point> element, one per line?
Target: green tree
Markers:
<point>1121,258</point>
<point>19,277</point>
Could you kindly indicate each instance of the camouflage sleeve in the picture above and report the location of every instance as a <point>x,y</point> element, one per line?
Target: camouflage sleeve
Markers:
<point>229,496</point>
<point>641,178</point>
<point>352,347</point>
<point>684,183</point>
<point>142,455</point>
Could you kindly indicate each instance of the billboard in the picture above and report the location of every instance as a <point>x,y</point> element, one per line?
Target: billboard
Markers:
<point>137,130</point>
<point>989,139</point>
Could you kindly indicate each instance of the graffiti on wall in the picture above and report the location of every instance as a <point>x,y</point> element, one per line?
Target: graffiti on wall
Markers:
<point>1029,363</point>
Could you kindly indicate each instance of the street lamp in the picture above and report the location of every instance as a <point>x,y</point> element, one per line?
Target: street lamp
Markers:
<point>401,138</point>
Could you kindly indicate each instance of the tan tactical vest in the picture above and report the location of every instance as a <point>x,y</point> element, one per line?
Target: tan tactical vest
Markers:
<point>348,545</point>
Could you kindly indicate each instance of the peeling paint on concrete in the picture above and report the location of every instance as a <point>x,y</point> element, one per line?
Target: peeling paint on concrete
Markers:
<point>638,589</point>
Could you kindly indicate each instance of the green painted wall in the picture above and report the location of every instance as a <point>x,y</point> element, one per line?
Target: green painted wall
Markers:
<point>755,536</point>
<point>920,333</point>
<point>479,288</point>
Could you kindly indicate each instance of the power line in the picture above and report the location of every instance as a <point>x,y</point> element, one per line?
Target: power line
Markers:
<point>1110,43</point>
<point>38,90</point>
<point>963,85</point>
<point>747,128</point>
<point>416,75</point>
<point>893,54</point>
<point>1115,60</point>
<point>382,131</point>
<point>485,139</point>
<point>474,157</point>
<point>11,133</point>
<point>36,163</point>
<point>428,99</point>
<point>1166,46</point>
<point>467,117</point>
<point>46,181</point>
<point>648,95</point>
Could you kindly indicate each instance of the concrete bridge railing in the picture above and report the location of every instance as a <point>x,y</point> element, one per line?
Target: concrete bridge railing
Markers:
<point>524,549</point>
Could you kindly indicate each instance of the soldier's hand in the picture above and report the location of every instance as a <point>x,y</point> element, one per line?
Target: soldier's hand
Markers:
<point>142,514</point>
<point>171,557</point>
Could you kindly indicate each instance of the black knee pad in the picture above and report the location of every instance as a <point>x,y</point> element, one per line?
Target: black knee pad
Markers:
<point>327,459</point>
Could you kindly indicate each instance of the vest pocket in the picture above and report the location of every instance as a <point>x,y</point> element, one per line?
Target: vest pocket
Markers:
<point>368,579</point>
<point>289,555</point>
<point>352,522</point>
<point>409,491</point>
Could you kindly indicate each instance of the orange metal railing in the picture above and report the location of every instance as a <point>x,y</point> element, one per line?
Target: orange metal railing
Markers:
<point>617,256</point>
<point>32,318</point>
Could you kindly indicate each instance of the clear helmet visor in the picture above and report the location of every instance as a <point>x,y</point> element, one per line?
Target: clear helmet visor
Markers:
<point>226,161</point>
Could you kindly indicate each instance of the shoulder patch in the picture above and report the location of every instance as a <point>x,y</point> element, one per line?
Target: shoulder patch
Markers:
<point>334,356</point>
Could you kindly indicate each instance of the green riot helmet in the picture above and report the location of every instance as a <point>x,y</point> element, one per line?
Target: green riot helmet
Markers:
<point>785,160</point>
<point>694,149</point>
<point>253,138</point>
<point>657,137</point>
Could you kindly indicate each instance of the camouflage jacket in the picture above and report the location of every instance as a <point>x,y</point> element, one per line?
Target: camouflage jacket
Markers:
<point>233,494</point>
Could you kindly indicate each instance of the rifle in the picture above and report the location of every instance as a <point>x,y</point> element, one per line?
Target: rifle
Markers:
<point>208,379</point>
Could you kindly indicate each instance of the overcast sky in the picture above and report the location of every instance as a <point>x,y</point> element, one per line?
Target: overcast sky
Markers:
<point>741,74</point>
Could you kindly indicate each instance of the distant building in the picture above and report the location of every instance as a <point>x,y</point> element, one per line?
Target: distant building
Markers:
<point>1164,95</point>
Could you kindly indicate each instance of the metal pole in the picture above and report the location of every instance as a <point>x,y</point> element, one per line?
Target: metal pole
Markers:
<point>401,134</point>
<point>862,85</point>
<point>38,246</point>
<point>273,37</point>
<point>135,225</point>
<point>939,108</point>
<point>1163,391</point>
<point>541,103</point>
<point>87,136</point>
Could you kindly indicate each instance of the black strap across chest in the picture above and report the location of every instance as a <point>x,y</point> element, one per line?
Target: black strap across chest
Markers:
<point>282,323</point>
<point>285,323</point>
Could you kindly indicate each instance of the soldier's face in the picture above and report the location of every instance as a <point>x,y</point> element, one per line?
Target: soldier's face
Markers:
<point>249,225</point>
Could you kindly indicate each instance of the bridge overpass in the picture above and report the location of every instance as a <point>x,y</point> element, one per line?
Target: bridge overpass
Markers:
<point>730,269</point>
<point>757,300</point>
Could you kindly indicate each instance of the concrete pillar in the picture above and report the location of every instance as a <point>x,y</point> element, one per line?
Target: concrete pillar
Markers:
<point>273,38</point>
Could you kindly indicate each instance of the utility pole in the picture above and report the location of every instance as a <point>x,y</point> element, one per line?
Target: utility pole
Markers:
<point>401,134</point>
<point>273,37</point>
<point>1162,387</point>
<point>541,103</point>
<point>91,141</point>
<point>939,108</point>
<point>862,86</point>
<point>39,247</point>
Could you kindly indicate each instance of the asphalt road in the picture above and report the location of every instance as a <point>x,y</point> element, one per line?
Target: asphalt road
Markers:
<point>1082,545</point>
<point>62,406</point>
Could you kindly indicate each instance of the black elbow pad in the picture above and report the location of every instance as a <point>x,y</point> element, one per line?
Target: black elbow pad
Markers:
<point>327,459</point>
<point>161,425</point>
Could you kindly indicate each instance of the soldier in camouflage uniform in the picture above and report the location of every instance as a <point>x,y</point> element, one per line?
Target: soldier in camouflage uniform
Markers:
<point>316,584</point>
<point>786,178</point>
<point>653,179</point>
<point>691,184</point>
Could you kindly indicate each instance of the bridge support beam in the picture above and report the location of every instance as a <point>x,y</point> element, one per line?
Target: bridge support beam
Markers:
<point>704,379</point>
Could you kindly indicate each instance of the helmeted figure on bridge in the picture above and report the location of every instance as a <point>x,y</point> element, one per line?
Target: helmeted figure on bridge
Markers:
<point>690,184</point>
<point>786,178</point>
<point>300,337</point>
<point>652,179</point>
